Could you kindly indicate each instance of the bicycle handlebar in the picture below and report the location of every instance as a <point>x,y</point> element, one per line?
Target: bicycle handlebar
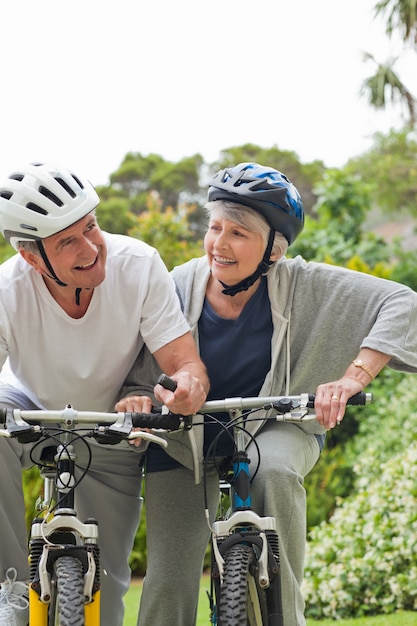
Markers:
<point>277,402</point>
<point>27,425</point>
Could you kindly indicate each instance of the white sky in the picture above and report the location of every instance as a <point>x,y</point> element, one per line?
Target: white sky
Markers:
<point>84,82</point>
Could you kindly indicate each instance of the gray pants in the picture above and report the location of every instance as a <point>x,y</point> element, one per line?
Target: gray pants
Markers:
<point>110,492</point>
<point>177,531</point>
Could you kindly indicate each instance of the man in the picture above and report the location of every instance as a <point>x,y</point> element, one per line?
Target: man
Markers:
<point>76,307</point>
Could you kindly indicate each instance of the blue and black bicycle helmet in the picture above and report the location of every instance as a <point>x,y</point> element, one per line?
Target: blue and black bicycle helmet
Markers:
<point>262,189</point>
<point>270,193</point>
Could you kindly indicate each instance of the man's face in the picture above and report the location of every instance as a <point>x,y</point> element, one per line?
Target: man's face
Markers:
<point>78,254</point>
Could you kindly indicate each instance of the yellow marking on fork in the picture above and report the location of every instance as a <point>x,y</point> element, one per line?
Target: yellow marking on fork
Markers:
<point>92,611</point>
<point>38,611</point>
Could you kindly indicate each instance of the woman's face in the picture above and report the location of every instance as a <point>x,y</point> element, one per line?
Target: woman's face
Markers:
<point>233,252</point>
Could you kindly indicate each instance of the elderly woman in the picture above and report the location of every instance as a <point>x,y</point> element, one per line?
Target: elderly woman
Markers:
<point>265,325</point>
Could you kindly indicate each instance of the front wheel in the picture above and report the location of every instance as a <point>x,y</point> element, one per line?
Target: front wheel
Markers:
<point>67,606</point>
<point>242,601</point>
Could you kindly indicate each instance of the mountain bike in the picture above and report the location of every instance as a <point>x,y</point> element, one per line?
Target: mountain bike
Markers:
<point>245,560</point>
<point>64,554</point>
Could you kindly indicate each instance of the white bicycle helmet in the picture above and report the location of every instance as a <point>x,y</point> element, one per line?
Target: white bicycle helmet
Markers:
<point>40,200</point>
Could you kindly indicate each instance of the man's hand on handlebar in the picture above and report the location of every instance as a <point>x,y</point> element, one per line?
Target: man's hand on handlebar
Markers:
<point>188,396</point>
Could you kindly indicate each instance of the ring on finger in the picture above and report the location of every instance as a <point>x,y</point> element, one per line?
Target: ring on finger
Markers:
<point>335,398</point>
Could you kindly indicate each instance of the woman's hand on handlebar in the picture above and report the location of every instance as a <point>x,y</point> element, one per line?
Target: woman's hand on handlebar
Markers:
<point>331,399</point>
<point>188,396</point>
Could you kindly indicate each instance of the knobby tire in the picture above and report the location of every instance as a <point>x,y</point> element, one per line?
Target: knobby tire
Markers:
<point>68,588</point>
<point>242,601</point>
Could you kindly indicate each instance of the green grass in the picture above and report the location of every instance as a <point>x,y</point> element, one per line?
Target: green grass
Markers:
<point>133,596</point>
<point>408,618</point>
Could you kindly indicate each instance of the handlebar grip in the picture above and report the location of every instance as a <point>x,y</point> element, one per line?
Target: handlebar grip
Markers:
<point>167,382</point>
<point>167,421</point>
<point>359,399</point>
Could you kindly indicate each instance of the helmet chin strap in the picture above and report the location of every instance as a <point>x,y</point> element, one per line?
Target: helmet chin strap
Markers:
<point>262,269</point>
<point>52,274</point>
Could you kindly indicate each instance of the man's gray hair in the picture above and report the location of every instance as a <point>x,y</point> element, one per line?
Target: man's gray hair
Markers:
<point>28,244</point>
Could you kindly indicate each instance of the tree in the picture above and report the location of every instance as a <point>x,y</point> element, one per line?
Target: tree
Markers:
<point>114,215</point>
<point>390,166</point>
<point>402,18</point>
<point>167,231</point>
<point>174,183</point>
<point>385,81</point>
<point>337,235</point>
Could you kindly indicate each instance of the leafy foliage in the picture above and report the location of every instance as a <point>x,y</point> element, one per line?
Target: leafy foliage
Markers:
<point>168,232</point>
<point>337,235</point>
<point>6,250</point>
<point>172,183</point>
<point>114,215</point>
<point>390,165</point>
<point>364,560</point>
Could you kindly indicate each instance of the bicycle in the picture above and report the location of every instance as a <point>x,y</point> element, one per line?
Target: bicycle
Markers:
<point>245,560</point>
<point>64,554</point>
<point>64,588</point>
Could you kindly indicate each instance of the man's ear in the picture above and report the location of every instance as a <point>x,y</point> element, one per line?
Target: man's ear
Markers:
<point>33,259</point>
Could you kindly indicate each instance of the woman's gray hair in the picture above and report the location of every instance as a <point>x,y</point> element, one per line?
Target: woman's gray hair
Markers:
<point>249,219</point>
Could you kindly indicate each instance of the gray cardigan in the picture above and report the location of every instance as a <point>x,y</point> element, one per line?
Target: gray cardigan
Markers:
<point>322,315</point>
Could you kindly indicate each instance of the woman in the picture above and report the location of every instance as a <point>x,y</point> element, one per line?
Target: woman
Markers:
<point>265,325</point>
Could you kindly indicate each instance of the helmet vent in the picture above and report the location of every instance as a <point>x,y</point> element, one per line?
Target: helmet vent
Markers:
<point>78,181</point>
<point>6,194</point>
<point>18,177</point>
<point>67,188</point>
<point>51,196</point>
<point>34,207</point>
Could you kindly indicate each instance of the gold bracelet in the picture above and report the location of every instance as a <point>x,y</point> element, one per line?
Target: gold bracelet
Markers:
<point>362,365</point>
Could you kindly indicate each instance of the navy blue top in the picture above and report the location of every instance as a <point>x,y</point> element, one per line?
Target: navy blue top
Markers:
<point>237,355</point>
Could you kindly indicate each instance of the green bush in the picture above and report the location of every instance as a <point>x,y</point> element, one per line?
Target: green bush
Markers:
<point>364,560</point>
<point>332,478</point>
